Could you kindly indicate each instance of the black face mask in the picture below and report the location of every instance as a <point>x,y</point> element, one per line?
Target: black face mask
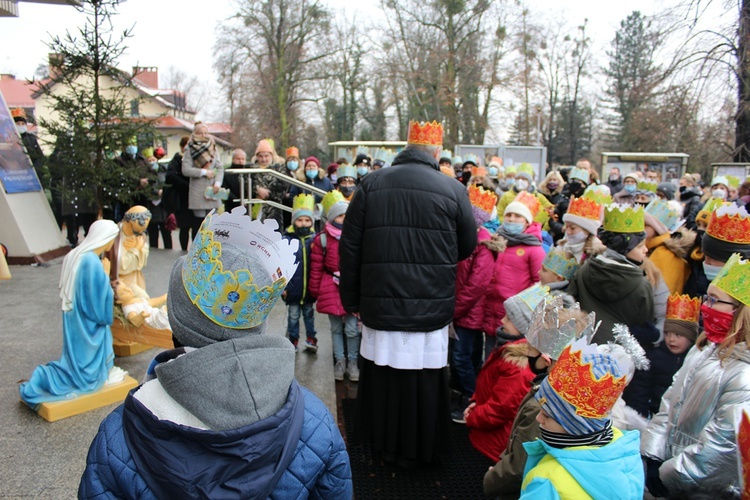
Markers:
<point>302,231</point>
<point>465,176</point>
<point>337,225</point>
<point>575,188</point>
<point>532,365</point>
<point>347,190</point>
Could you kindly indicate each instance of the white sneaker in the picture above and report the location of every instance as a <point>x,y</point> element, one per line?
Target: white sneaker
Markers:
<point>338,369</point>
<point>353,371</point>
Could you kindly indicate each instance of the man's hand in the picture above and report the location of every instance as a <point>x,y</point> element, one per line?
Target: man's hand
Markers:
<point>262,193</point>
<point>129,243</point>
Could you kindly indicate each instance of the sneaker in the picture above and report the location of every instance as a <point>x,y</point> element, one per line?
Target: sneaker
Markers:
<point>311,344</point>
<point>353,371</point>
<point>294,343</point>
<point>458,416</point>
<point>338,370</point>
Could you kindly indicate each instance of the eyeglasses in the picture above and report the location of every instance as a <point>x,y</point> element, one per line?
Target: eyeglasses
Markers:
<point>712,301</point>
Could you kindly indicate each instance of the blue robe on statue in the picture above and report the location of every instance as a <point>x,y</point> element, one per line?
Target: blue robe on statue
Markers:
<point>87,355</point>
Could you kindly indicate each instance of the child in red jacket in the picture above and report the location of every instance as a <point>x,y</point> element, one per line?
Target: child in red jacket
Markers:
<point>324,285</point>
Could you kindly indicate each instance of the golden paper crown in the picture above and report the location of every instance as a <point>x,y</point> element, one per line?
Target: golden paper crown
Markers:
<point>574,381</point>
<point>427,134</point>
<point>623,219</point>
<point>683,307</point>
<point>531,202</point>
<point>586,208</point>
<point>730,223</point>
<point>303,202</point>
<point>482,199</point>
<point>734,278</point>
<point>478,171</point>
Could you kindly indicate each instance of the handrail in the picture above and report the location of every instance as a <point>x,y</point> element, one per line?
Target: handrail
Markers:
<point>245,176</point>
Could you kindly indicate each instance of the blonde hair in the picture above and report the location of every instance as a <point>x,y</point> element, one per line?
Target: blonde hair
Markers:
<point>739,331</point>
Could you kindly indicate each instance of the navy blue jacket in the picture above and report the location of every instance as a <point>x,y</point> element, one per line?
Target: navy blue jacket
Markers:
<point>297,289</point>
<point>644,392</point>
<point>324,184</point>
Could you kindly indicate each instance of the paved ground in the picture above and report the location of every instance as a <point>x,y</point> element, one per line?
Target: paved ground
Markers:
<point>40,459</point>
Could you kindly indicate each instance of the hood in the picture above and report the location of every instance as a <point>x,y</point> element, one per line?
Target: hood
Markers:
<point>680,242</point>
<point>515,352</point>
<point>609,278</point>
<point>621,459</point>
<point>496,243</point>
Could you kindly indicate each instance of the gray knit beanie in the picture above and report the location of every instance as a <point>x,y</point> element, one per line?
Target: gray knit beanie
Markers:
<point>519,313</point>
<point>336,210</point>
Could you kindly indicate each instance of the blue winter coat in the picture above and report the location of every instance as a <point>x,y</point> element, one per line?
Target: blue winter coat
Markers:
<point>297,289</point>
<point>194,463</point>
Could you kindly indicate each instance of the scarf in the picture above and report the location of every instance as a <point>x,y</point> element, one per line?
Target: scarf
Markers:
<point>519,239</point>
<point>202,150</point>
<point>560,440</point>
<point>576,250</point>
<point>333,230</point>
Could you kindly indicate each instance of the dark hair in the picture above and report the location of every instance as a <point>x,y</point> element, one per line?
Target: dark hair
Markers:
<point>183,141</point>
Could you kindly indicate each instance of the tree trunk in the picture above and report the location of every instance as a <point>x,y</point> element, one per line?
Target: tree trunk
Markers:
<point>742,120</point>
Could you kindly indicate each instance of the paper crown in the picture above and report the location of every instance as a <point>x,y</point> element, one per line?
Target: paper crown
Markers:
<point>292,151</point>
<point>457,159</point>
<point>623,219</point>
<point>579,173</point>
<point>497,161</point>
<point>683,307</point>
<point>237,268</point>
<point>556,262</point>
<point>743,449</point>
<point>647,185</point>
<point>599,193</point>
<point>548,335</point>
<point>427,134</point>
<point>304,203</point>
<point>530,201</point>
<point>471,158</point>
<point>526,168</point>
<point>730,223</point>
<point>446,153</point>
<point>734,278</point>
<point>666,212</point>
<point>511,169</point>
<point>18,113</point>
<point>482,199</point>
<point>330,199</point>
<point>346,171</point>
<point>478,171</point>
<point>585,207</point>
<point>533,295</point>
<point>733,180</point>
<point>575,381</point>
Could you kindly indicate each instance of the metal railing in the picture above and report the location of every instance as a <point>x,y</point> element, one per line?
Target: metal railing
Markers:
<point>245,177</point>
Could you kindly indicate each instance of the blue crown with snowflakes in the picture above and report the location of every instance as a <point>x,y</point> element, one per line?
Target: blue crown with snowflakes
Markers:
<point>667,212</point>
<point>237,268</point>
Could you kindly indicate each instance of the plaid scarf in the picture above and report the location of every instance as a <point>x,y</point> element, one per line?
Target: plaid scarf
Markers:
<point>202,150</point>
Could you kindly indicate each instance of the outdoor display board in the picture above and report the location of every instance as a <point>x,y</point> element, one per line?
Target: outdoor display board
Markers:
<point>668,166</point>
<point>16,171</point>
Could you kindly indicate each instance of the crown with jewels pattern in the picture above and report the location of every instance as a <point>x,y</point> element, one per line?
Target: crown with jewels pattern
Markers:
<point>556,262</point>
<point>346,171</point>
<point>598,193</point>
<point>623,219</point>
<point>426,134</point>
<point>647,185</point>
<point>530,201</point>
<point>579,173</point>
<point>683,307</point>
<point>237,268</point>
<point>574,380</point>
<point>734,278</point>
<point>730,223</point>
<point>585,207</point>
<point>666,212</point>
<point>547,335</point>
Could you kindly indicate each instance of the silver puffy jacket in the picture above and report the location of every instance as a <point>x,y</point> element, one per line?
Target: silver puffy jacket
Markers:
<point>694,431</point>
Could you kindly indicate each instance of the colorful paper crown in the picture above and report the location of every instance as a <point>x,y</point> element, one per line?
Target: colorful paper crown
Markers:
<point>292,151</point>
<point>346,171</point>
<point>526,168</point>
<point>530,201</point>
<point>237,268</point>
<point>599,193</point>
<point>668,213</point>
<point>579,173</point>
<point>575,381</point>
<point>730,223</point>
<point>734,278</point>
<point>446,153</point>
<point>330,199</point>
<point>457,159</point>
<point>472,158</point>
<point>482,199</point>
<point>427,134</point>
<point>304,203</point>
<point>623,219</point>
<point>533,295</point>
<point>712,204</point>
<point>585,207</point>
<point>547,335</point>
<point>511,169</point>
<point>647,185</point>
<point>18,113</point>
<point>743,448</point>
<point>478,172</point>
<point>683,307</point>
<point>734,181</point>
<point>497,161</point>
<point>556,262</point>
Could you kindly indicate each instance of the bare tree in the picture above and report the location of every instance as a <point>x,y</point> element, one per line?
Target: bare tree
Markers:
<point>194,88</point>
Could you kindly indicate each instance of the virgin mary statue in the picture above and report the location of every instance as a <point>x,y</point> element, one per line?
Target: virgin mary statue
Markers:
<point>87,305</point>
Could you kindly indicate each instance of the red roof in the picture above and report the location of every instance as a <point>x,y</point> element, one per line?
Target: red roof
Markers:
<point>17,93</point>
<point>218,128</point>
<point>172,122</point>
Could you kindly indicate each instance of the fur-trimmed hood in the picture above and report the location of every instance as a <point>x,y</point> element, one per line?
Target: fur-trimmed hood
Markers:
<point>497,243</point>
<point>515,352</point>
<point>681,241</point>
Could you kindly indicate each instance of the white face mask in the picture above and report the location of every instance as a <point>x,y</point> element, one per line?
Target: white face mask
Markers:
<point>522,184</point>
<point>576,238</point>
<point>21,129</point>
<point>719,193</point>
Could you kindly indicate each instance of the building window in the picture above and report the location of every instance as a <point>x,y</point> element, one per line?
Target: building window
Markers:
<point>134,107</point>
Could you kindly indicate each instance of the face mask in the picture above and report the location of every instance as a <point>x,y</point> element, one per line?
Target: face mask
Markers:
<point>131,150</point>
<point>532,365</point>
<point>683,189</point>
<point>614,177</point>
<point>630,188</point>
<point>154,166</point>
<point>493,171</point>
<point>21,129</point>
<point>719,193</point>
<point>511,182</point>
<point>552,186</point>
<point>465,176</point>
<point>292,165</point>
<point>347,190</point>
<point>334,178</point>
<point>337,225</point>
<point>302,231</point>
<point>575,187</point>
<point>710,271</point>
<point>311,174</point>
<point>716,323</point>
<point>362,171</point>
<point>522,184</point>
<point>513,227</point>
<point>576,238</point>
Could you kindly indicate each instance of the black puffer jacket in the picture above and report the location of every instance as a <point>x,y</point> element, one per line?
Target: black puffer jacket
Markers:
<point>406,228</point>
<point>691,200</point>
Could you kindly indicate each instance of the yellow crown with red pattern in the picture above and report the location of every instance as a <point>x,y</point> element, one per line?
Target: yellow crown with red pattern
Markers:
<point>683,307</point>
<point>530,201</point>
<point>586,208</point>
<point>730,223</point>
<point>426,134</point>
<point>574,380</point>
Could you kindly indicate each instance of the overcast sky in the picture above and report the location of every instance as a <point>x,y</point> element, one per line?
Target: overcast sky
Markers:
<point>181,33</point>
